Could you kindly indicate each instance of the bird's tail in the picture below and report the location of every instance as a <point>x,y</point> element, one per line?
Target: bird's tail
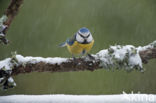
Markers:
<point>62,44</point>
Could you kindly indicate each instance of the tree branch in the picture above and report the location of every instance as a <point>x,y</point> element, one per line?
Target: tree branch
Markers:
<point>7,18</point>
<point>116,57</point>
<point>148,54</point>
<point>70,65</point>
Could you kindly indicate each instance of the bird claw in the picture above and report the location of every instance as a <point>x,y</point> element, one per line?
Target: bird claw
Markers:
<point>76,61</point>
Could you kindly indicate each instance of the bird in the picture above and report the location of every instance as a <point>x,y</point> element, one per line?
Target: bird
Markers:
<point>80,43</point>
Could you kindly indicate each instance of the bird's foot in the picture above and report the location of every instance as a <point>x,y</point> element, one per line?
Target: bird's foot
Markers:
<point>75,60</point>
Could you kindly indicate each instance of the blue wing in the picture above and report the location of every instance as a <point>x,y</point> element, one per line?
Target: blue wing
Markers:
<point>69,41</point>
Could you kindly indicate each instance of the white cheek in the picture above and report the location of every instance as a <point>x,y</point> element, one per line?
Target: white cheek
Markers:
<point>79,38</point>
<point>89,39</point>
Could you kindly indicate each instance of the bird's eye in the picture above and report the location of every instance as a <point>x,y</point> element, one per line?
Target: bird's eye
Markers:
<point>88,35</point>
<point>84,36</point>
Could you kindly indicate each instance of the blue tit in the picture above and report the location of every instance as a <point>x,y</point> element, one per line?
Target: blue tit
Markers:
<point>80,43</point>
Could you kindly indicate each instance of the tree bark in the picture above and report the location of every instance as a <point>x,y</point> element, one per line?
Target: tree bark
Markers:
<point>148,54</point>
<point>80,64</point>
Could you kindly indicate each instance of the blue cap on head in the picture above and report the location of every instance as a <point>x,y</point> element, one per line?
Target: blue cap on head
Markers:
<point>84,30</point>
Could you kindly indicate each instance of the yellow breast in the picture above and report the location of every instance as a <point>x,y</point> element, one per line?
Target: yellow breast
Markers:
<point>77,48</point>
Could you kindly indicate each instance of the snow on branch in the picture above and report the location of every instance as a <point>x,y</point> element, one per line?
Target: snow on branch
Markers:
<point>7,18</point>
<point>116,57</point>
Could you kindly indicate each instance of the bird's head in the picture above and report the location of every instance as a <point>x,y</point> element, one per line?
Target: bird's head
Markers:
<point>84,36</point>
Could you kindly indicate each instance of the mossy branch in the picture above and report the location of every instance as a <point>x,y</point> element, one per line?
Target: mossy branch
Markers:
<point>116,57</point>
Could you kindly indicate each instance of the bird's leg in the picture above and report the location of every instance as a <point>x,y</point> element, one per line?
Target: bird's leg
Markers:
<point>74,59</point>
<point>83,53</point>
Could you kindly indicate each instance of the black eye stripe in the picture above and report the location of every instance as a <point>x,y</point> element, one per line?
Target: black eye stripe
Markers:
<point>83,36</point>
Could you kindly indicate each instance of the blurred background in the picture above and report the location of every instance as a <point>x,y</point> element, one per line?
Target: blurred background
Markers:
<point>42,24</point>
